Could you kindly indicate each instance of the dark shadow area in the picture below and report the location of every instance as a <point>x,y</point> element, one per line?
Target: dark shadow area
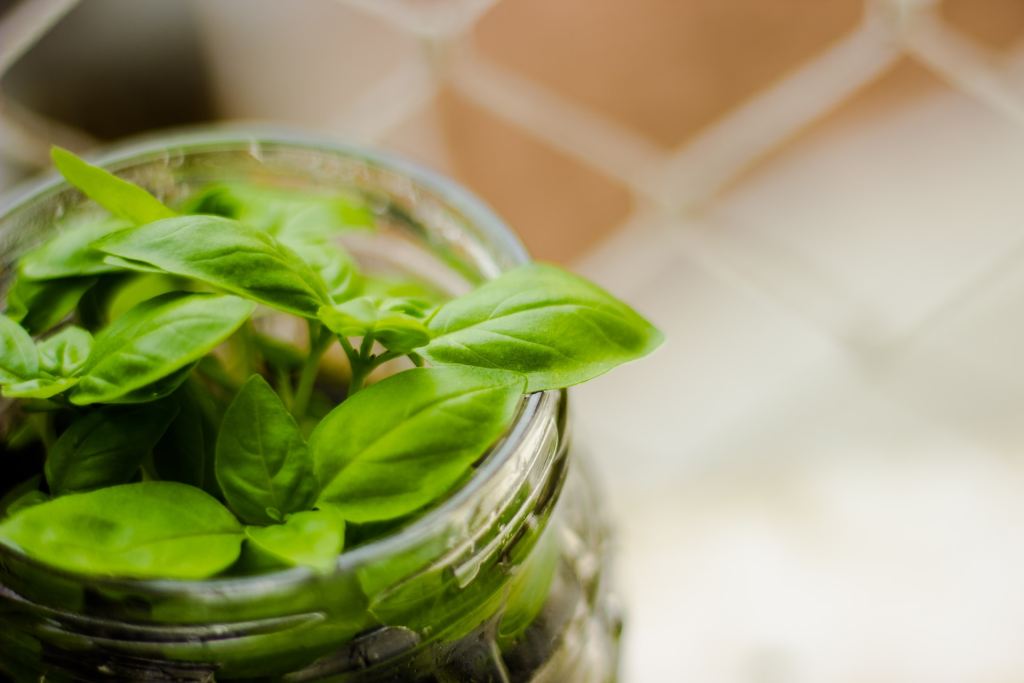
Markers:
<point>115,67</point>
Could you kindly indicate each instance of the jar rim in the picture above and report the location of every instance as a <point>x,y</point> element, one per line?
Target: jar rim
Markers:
<point>536,409</point>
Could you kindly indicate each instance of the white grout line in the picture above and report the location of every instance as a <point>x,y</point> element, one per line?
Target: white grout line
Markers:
<point>571,128</point>
<point>431,19</point>
<point>636,251</point>
<point>963,64</point>
<point>1005,264</point>
<point>971,69</point>
<point>649,242</point>
<point>701,167</point>
<point>396,97</point>
<point>786,285</point>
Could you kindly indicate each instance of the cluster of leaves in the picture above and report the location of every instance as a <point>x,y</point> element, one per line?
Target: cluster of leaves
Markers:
<point>175,438</point>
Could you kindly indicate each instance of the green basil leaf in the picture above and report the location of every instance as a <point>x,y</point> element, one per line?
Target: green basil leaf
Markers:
<point>334,265</point>
<point>385,320</point>
<point>162,388</point>
<point>152,529</point>
<point>155,339</point>
<point>411,306</point>
<point>27,500</point>
<point>226,254</point>
<point>119,263</point>
<point>40,304</point>
<point>404,442</point>
<point>530,587</point>
<point>306,223</point>
<point>65,352</point>
<point>262,462</point>
<point>552,326</point>
<point>10,500</point>
<point>93,309</point>
<point>386,287</point>
<point>119,197</point>
<point>105,447</point>
<point>278,353</point>
<point>140,287</point>
<point>19,359</point>
<point>42,387</point>
<point>302,214</point>
<point>21,435</point>
<point>351,319</point>
<point>69,253</point>
<point>312,538</point>
<point>186,451</point>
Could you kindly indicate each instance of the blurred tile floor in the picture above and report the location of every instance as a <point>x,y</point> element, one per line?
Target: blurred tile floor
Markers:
<point>819,477</point>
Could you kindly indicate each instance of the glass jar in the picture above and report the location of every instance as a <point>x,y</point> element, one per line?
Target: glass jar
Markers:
<point>503,581</point>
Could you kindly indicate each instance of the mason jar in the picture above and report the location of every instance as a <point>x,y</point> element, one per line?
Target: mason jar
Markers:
<point>504,581</point>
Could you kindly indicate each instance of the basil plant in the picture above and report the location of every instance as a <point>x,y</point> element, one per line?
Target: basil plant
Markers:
<point>161,431</point>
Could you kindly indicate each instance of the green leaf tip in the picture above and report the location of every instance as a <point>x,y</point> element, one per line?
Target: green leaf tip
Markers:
<point>556,328</point>
<point>116,195</point>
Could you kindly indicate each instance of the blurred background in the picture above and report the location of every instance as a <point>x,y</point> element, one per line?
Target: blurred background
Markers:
<point>819,478</point>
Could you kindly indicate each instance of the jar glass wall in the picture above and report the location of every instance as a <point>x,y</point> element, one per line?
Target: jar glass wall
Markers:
<point>503,581</point>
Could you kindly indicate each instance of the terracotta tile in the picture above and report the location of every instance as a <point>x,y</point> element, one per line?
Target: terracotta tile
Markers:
<point>663,67</point>
<point>996,23</point>
<point>558,206</point>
